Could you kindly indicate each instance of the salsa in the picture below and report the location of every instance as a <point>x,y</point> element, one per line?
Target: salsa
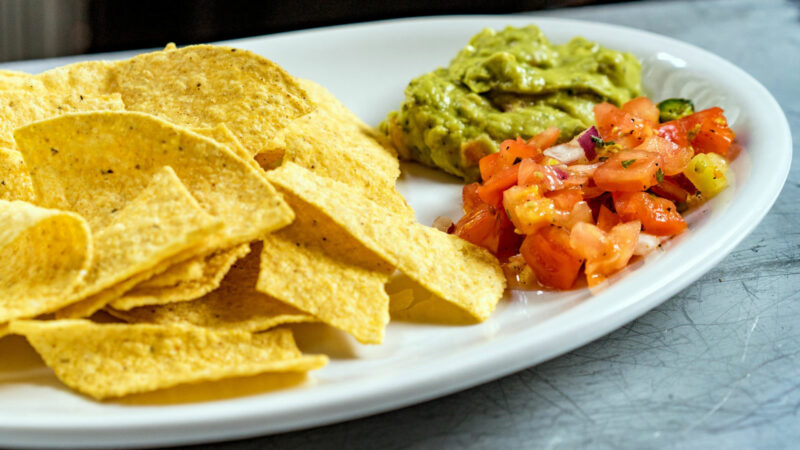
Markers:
<point>551,212</point>
<point>505,84</point>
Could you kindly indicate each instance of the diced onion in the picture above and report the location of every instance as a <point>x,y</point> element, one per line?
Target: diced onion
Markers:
<point>646,244</point>
<point>582,147</point>
<point>443,223</point>
<point>586,142</point>
<point>566,153</point>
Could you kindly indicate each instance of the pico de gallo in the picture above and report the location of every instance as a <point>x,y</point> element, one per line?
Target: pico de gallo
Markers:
<point>551,212</point>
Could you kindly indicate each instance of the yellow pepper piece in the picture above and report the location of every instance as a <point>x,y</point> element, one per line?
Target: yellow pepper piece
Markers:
<point>708,172</point>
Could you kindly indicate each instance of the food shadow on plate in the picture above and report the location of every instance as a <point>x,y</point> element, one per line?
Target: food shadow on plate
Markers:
<point>19,363</point>
<point>226,389</point>
<point>418,170</point>
<point>410,302</point>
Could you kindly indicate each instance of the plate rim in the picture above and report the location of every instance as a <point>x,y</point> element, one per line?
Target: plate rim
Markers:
<point>194,423</point>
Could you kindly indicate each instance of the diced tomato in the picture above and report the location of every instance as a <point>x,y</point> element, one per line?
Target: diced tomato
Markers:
<point>674,156</point>
<point>565,199</point>
<point>605,253</point>
<point>706,131</point>
<point>580,212</point>
<point>527,209</point>
<point>476,226</point>
<point>659,216</point>
<point>507,241</point>
<point>546,138</point>
<point>489,228</point>
<point>489,165</point>
<point>642,107</point>
<point>713,136</point>
<point>685,184</point>
<point>690,123</point>
<point>513,151</point>
<point>588,241</point>
<point>670,190</point>
<point>492,190</point>
<point>673,131</point>
<point>549,254</point>
<point>532,173</point>
<point>622,128</point>
<point>629,170</point>
<point>624,205</point>
<point>470,198</point>
<point>590,191</point>
<point>607,219</point>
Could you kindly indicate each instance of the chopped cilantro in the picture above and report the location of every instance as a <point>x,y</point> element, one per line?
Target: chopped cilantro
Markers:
<point>659,175</point>
<point>627,163</point>
<point>599,142</point>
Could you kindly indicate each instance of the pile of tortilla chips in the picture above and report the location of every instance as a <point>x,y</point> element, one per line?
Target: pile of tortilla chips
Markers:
<point>203,197</point>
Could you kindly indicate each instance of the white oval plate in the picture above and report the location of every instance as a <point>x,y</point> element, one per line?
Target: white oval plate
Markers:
<point>367,66</point>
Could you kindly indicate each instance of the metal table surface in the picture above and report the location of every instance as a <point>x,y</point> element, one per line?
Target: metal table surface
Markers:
<point>716,366</point>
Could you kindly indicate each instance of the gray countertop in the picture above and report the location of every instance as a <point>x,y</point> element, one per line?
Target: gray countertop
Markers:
<point>716,366</point>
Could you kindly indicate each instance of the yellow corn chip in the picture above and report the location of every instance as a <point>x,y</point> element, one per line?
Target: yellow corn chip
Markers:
<point>191,269</point>
<point>314,266</point>
<point>89,305</point>
<point>4,331</point>
<point>19,107</point>
<point>234,305</point>
<point>11,79</point>
<point>411,302</point>
<point>92,163</point>
<point>455,270</point>
<point>161,222</point>
<point>223,135</point>
<point>333,142</point>
<point>46,253</point>
<point>214,268</point>
<point>86,78</point>
<point>15,181</point>
<point>112,360</point>
<point>203,86</point>
<point>194,277</point>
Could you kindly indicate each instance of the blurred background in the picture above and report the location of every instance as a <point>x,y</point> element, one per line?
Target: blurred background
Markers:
<point>46,28</point>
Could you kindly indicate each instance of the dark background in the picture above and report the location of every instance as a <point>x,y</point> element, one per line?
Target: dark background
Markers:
<point>118,25</point>
<point>47,28</point>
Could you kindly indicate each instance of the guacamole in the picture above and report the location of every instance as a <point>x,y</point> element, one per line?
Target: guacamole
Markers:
<point>503,85</point>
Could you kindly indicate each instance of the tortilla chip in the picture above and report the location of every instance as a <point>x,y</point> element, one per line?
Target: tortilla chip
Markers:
<point>113,360</point>
<point>92,163</point>
<point>214,268</point>
<point>163,221</point>
<point>316,267</point>
<point>411,302</point>
<point>223,135</point>
<point>11,79</point>
<point>19,107</point>
<point>191,269</point>
<point>15,180</point>
<point>203,86</point>
<point>234,305</point>
<point>333,142</point>
<point>455,270</point>
<point>46,253</point>
<point>86,78</point>
<point>4,331</point>
<point>193,278</point>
